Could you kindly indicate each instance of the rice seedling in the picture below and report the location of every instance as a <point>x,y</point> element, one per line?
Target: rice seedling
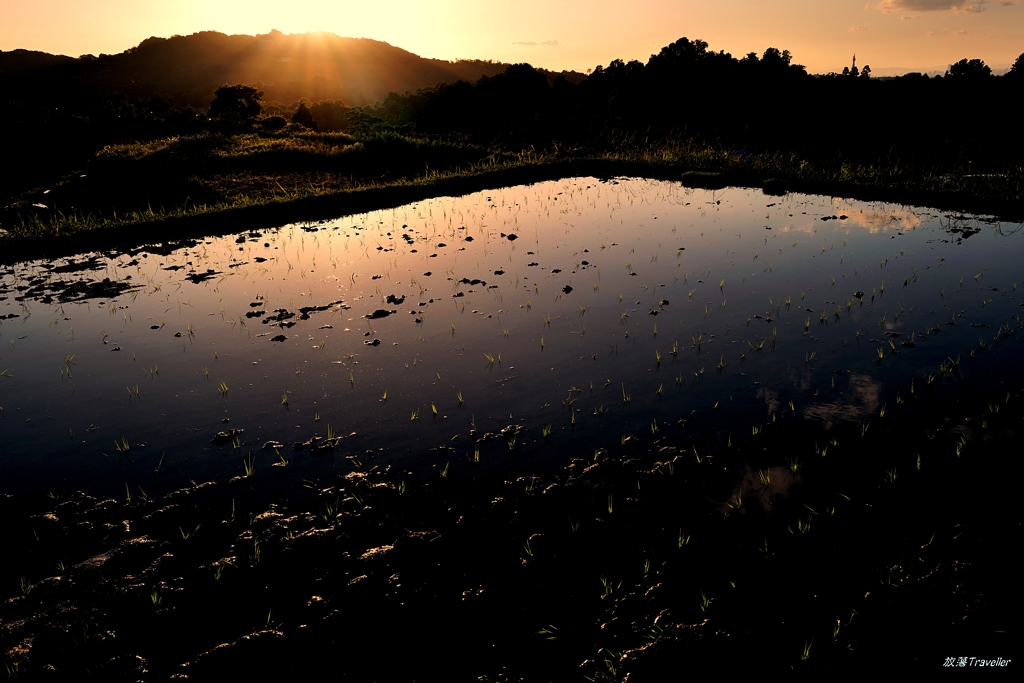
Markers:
<point>249,465</point>
<point>803,527</point>
<point>705,603</point>
<point>284,399</point>
<point>185,535</point>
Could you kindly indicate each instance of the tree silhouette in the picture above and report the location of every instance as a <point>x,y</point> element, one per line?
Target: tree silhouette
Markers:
<point>330,115</point>
<point>1017,70</point>
<point>236,104</point>
<point>775,60</point>
<point>304,117</point>
<point>969,69</point>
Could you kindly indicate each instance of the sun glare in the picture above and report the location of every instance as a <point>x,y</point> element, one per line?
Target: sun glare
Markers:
<point>567,35</point>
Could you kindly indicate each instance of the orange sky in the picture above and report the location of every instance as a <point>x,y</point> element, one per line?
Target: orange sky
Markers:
<point>557,34</point>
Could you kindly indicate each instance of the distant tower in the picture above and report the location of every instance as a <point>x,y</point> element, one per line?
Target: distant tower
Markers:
<point>853,69</point>
<point>854,61</point>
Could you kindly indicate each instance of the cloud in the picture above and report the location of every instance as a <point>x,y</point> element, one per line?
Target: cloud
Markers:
<point>1007,3</point>
<point>550,42</point>
<point>858,29</point>
<point>911,17</point>
<point>955,6</point>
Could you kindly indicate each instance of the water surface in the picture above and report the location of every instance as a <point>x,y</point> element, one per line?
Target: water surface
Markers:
<point>530,322</point>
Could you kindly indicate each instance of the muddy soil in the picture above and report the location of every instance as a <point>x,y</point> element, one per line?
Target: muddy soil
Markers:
<point>793,548</point>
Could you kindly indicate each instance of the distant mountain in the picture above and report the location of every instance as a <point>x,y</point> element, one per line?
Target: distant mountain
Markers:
<point>18,61</point>
<point>188,69</point>
<point>931,71</point>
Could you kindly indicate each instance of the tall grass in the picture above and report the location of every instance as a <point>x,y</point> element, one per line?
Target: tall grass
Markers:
<point>252,170</point>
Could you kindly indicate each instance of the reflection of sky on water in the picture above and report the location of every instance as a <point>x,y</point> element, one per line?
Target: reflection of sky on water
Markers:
<point>603,279</point>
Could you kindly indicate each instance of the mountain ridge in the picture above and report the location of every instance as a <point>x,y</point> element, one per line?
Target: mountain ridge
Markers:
<point>316,65</point>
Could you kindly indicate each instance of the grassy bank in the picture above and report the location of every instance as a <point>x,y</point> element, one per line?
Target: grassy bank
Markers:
<point>213,183</point>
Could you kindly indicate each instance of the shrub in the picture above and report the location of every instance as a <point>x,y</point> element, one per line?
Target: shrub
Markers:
<point>273,123</point>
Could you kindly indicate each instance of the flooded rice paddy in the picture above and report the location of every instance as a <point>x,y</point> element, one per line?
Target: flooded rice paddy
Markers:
<point>520,324</point>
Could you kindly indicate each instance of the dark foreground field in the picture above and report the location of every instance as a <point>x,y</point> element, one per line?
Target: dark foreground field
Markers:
<point>782,545</point>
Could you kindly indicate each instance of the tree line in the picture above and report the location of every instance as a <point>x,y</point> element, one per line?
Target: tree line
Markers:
<point>685,92</point>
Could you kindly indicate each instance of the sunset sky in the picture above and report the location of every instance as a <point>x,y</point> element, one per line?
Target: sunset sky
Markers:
<point>558,34</point>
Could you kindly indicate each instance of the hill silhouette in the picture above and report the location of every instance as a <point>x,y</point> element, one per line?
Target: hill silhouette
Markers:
<point>186,70</point>
<point>66,108</point>
<point>20,61</point>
